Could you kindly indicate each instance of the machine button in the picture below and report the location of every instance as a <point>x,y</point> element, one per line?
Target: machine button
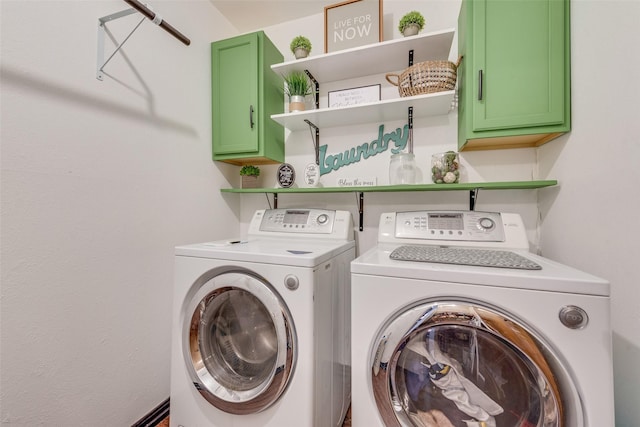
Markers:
<point>573,317</point>
<point>323,218</point>
<point>291,282</point>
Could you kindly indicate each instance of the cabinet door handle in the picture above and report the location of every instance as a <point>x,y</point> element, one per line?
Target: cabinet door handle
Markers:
<point>251,123</point>
<point>480,85</point>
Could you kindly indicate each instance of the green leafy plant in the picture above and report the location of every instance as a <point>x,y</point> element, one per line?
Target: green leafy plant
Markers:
<point>298,84</point>
<point>250,170</point>
<point>413,17</point>
<point>300,42</point>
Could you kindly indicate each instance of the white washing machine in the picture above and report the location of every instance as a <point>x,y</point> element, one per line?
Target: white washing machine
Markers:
<point>455,323</point>
<point>261,327</point>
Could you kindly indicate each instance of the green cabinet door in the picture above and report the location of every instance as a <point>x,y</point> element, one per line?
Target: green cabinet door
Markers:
<point>514,78</point>
<point>245,93</point>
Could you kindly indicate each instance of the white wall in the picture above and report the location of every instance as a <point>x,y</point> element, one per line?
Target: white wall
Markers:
<point>590,222</point>
<point>100,180</point>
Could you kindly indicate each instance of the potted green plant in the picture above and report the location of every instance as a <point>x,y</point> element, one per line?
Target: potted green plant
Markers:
<point>411,23</point>
<point>297,88</point>
<point>250,176</point>
<point>300,46</point>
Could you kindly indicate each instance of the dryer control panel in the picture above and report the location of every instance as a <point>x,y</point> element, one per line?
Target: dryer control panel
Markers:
<point>323,223</point>
<point>450,225</point>
<point>454,228</point>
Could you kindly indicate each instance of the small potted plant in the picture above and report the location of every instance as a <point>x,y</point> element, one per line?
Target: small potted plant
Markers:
<point>297,88</point>
<point>300,46</point>
<point>250,176</point>
<point>411,23</point>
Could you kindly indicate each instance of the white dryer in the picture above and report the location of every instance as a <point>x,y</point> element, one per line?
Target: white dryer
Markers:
<point>456,323</point>
<point>261,327</point>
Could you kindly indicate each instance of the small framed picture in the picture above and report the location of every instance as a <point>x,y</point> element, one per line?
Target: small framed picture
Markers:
<point>352,23</point>
<point>354,96</point>
<point>286,175</point>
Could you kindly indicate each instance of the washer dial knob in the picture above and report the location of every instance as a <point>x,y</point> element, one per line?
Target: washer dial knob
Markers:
<point>485,224</point>
<point>323,218</point>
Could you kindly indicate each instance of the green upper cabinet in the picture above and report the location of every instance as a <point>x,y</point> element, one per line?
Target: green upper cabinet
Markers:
<point>245,93</point>
<point>514,80</point>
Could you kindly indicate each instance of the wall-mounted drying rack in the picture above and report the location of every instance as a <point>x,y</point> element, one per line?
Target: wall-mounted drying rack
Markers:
<point>136,7</point>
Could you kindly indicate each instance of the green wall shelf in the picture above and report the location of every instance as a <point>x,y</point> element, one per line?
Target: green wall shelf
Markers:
<point>465,186</point>
<point>472,187</point>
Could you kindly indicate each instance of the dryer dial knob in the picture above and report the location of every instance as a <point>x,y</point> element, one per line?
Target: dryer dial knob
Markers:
<point>323,218</point>
<point>291,282</point>
<point>573,317</point>
<point>485,224</point>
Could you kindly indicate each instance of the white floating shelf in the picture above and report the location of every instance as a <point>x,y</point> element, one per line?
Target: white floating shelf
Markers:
<point>374,58</point>
<point>432,104</point>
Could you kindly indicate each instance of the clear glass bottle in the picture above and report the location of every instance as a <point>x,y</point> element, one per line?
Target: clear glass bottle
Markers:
<point>402,169</point>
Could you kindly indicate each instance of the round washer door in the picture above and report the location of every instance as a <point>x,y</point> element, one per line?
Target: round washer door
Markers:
<point>457,363</point>
<point>239,341</point>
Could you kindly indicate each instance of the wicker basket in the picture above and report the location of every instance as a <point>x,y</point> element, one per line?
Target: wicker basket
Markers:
<point>426,77</point>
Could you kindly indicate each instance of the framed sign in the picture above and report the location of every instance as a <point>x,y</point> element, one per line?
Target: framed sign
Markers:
<point>286,175</point>
<point>352,23</point>
<point>354,96</point>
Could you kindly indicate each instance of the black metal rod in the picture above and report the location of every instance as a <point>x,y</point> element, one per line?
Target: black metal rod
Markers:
<point>361,210</point>
<point>163,24</point>
<point>410,123</point>
<point>473,198</point>
<point>316,140</point>
<point>317,87</point>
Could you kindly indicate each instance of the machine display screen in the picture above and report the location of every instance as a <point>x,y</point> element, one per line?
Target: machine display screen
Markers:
<point>446,221</point>
<point>296,217</point>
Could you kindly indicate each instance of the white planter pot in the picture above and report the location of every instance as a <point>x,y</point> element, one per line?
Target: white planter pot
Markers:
<point>300,53</point>
<point>411,30</point>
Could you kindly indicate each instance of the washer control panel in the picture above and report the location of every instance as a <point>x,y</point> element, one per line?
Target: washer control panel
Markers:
<point>450,226</point>
<point>298,220</point>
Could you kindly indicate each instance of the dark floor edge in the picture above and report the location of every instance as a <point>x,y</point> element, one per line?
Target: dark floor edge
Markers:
<point>154,417</point>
